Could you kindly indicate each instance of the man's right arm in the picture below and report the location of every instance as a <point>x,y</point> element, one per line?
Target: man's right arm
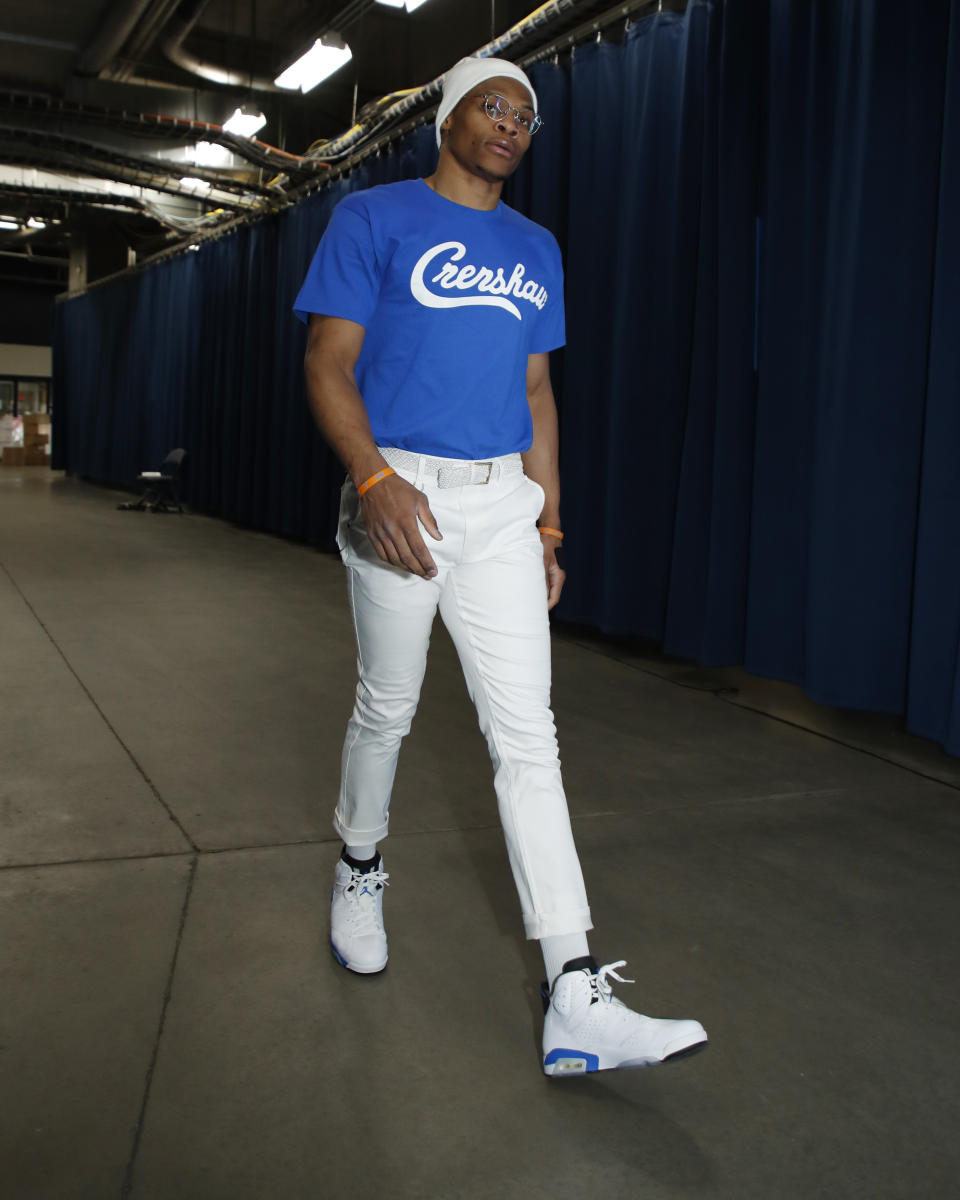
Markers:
<point>392,507</point>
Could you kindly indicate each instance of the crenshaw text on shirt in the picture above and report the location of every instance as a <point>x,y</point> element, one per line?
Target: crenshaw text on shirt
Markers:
<point>492,285</point>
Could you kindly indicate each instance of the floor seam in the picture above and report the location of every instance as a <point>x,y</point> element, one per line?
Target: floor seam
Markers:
<point>127,1185</point>
<point>103,716</point>
<point>728,694</point>
<point>892,762</point>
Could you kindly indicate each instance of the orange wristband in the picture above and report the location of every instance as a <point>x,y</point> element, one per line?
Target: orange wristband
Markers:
<point>368,483</point>
<point>553,532</point>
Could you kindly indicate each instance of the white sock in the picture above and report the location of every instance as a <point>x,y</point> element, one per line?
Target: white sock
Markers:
<point>559,949</point>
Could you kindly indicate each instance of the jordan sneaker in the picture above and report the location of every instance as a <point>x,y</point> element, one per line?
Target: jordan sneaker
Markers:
<point>357,938</point>
<point>588,1029</point>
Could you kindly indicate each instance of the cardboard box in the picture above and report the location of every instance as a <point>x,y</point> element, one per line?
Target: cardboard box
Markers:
<point>14,456</point>
<point>35,458</point>
<point>36,439</point>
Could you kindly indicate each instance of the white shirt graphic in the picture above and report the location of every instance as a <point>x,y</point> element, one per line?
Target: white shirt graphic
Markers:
<point>492,283</point>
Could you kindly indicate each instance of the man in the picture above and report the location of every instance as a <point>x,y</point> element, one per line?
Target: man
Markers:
<point>432,309</point>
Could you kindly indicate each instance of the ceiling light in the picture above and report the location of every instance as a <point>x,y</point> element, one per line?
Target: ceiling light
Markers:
<point>245,123</point>
<point>36,223</point>
<point>319,62</point>
<point>9,223</point>
<point>210,154</point>
<point>409,5</point>
<point>200,185</point>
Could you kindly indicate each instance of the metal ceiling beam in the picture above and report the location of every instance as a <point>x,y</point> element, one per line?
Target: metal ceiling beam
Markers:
<point>43,109</point>
<point>35,258</point>
<point>24,39</point>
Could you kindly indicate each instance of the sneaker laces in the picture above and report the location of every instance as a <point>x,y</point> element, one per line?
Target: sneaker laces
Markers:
<point>600,986</point>
<point>363,911</point>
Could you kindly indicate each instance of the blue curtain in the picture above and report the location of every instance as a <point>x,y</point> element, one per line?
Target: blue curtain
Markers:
<point>850,247</point>
<point>657,386</point>
<point>759,207</point>
<point>202,351</point>
<point>933,687</point>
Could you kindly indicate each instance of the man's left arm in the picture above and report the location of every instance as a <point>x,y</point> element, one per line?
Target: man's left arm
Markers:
<point>542,463</point>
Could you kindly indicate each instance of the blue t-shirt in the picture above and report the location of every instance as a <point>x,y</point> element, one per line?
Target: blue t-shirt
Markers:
<point>453,300</point>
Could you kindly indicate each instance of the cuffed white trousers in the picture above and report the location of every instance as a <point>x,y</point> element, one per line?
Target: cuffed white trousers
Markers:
<point>491,593</point>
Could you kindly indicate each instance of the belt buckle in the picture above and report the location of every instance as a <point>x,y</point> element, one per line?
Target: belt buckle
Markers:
<point>489,466</point>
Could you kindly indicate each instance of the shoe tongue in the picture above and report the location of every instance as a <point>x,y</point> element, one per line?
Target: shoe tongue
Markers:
<point>586,963</point>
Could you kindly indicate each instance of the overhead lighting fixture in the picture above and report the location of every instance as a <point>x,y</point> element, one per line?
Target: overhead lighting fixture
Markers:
<point>9,223</point>
<point>197,185</point>
<point>210,154</point>
<point>36,223</point>
<point>245,122</point>
<point>325,56</point>
<point>409,5</point>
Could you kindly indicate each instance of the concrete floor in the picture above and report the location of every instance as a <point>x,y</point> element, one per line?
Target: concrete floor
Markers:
<point>173,1025</point>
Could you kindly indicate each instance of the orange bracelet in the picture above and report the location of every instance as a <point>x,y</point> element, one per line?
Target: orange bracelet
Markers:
<point>553,532</point>
<point>368,483</point>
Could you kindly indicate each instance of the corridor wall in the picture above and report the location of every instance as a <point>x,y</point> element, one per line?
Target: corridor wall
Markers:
<point>758,206</point>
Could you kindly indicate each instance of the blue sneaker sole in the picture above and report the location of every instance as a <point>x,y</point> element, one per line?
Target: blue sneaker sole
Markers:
<point>563,1061</point>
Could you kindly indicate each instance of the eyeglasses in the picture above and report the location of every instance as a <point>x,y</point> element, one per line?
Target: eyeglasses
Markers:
<point>497,107</point>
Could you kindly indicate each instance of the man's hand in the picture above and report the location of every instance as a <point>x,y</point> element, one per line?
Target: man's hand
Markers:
<point>555,573</point>
<point>391,510</point>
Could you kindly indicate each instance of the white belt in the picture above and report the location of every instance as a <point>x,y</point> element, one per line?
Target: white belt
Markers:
<point>452,472</point>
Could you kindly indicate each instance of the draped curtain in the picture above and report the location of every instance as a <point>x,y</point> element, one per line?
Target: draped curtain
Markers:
<point>852,573</point>
<point>759,207</point>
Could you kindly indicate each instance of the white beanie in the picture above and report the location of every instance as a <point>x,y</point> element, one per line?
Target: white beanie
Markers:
<point>467,73</point>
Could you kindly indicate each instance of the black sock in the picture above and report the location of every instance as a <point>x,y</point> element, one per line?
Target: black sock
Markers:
<point>363,865</point>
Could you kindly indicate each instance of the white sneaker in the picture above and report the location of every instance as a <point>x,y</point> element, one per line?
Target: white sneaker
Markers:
<point>357,938</point>
<point>588,1029</point>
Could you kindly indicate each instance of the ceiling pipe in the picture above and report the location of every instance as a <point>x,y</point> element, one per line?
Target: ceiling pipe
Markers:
<point>178,27</point>
<point>106,43</point>
<point>146,33</point>
<point>188,13</point>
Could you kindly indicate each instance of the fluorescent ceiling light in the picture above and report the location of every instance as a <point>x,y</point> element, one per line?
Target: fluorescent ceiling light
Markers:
<point>9,223</point>
<point>319,62</point>
<point>199,185</point>
<point>409,5</point>
<point>36,223</point>
<point>210,154</point>
<point>245,124</point>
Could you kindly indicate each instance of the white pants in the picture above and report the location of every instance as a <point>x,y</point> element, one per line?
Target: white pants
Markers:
<point>491,593</point>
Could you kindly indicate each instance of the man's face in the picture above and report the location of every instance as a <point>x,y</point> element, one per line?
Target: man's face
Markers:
<point>490,149</point>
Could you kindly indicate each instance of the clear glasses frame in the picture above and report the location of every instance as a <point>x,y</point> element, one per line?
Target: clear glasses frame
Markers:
<point>497,107</point>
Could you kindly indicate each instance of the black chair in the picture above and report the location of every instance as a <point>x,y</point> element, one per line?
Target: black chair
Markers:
<point>162,488</point>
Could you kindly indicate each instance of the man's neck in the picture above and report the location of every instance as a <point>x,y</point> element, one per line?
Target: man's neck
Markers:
<point>453,182</point>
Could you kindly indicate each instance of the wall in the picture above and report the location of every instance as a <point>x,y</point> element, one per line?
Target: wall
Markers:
<point>16,359</point>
